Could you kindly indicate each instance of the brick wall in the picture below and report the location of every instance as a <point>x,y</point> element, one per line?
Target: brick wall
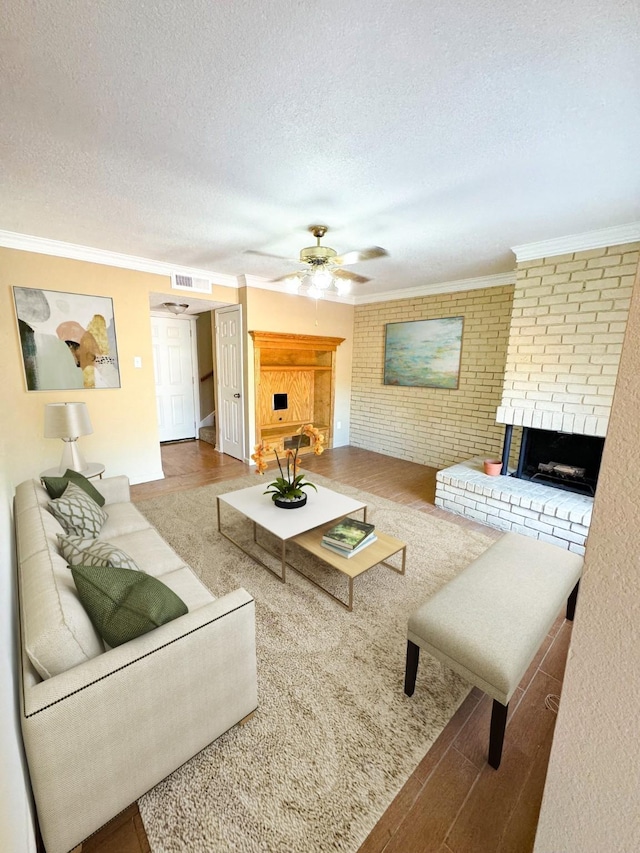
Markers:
<point>568,323</point>
<point>433,426</point>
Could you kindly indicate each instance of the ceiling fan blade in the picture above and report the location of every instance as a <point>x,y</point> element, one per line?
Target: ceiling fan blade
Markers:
<point>267,255</point>
<point>288,276</point>
<point>351,276</point>
<point>360,255</point>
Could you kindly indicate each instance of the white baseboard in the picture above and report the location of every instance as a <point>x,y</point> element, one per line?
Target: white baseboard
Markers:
<point>147,478</point>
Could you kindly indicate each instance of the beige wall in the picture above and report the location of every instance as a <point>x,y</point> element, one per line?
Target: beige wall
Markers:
<point>433,426</point>
<point>125,433</point>
<point>266,311</point>
<point>591,796</point>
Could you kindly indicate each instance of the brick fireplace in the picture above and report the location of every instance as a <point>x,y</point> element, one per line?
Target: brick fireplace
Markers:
<point>567,327</point>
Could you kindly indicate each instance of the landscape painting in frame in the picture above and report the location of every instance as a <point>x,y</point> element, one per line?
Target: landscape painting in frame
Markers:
<point>423,353</point>
<point>68,340</point>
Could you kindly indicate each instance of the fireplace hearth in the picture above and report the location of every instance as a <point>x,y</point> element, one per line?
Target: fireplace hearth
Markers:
<point>562,460</point>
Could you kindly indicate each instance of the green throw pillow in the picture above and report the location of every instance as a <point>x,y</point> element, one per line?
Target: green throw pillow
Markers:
<point>93,552</point>
<point>55,486</point>
<point>79,514</point>
<point>123,604</point>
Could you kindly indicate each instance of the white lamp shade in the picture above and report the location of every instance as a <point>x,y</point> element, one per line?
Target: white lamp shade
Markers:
<point>66,420</point>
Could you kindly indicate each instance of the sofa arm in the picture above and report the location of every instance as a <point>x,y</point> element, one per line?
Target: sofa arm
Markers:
<point>105,732</point>
<point>115,490</point>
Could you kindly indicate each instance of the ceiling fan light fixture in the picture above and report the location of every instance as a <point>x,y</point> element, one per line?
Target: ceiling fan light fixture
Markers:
<point>342,286</point>
<point>322,268</point>
<point>322,279</point>
<point>314,292</point>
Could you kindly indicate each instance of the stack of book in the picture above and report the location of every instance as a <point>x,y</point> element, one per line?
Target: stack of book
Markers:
<point>348,537</point>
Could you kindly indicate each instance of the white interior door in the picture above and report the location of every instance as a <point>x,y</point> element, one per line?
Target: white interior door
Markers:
<point>173,364</point>
<point>230,397</point>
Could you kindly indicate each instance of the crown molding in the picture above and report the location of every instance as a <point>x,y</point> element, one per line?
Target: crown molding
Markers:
<point>497,280</point>
<point>614,236</point>
<point>44,246</point>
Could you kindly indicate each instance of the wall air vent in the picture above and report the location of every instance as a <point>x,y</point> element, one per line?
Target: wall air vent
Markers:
<point>189,282</point>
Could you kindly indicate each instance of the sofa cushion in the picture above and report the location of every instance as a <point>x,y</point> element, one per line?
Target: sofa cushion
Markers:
<point>58,634</point>
<point>77,512</point>
<point>189,587</point>
<point>93,552</point>
<point>56,631</point>
<point>56,486</point>
<point>149,551</point>
<point>122,518</point>
<point>37,529</point>
<point>123,604</point>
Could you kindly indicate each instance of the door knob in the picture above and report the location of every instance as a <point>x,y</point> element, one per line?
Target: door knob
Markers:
<point>236,395</point>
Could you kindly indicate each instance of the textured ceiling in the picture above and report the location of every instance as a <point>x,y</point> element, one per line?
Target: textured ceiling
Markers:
<point>446,131</point>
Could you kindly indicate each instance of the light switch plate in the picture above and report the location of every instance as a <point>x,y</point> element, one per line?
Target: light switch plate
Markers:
<point>137,361</point>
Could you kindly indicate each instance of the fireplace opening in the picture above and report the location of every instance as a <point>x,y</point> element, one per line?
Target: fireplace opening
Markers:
<point>559,459</point>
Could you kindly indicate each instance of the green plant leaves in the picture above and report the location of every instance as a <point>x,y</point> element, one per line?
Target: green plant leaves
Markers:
<point>282,488</point>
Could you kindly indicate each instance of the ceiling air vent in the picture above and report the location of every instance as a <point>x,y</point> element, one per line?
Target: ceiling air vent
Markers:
<point>189,282</point>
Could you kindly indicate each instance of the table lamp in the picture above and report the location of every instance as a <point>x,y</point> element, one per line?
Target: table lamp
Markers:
<point>68,421</point>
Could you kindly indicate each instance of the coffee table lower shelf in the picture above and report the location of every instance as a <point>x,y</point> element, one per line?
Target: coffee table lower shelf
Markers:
<point>378,553</point>
<point>326,508</point>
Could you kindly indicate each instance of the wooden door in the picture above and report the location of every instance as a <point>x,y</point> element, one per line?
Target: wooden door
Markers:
<point>174,378</point>
<point>229,376</point>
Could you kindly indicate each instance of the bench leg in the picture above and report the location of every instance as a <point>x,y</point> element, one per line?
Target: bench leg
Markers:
<point>496,737</point>
<point>571,603</point>
<point>411,669</point>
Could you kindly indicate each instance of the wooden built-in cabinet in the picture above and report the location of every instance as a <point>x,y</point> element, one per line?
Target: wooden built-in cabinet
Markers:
<point>302,367</point>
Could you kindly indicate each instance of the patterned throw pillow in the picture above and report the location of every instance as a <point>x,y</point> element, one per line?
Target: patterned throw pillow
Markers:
<point>93,552</point>
<point>78,513</point>
<point>123,604</point>
<point>55,486</point>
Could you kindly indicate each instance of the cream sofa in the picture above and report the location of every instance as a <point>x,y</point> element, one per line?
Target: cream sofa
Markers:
<point>102,726</point>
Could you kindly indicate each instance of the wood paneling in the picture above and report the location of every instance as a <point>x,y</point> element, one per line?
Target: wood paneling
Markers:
<point>298,385</point>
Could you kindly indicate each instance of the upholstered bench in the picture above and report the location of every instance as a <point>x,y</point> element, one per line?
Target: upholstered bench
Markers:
<point>488,622</point>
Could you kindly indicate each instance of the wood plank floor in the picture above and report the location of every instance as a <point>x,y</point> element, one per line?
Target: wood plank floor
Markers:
<point>453,802</point>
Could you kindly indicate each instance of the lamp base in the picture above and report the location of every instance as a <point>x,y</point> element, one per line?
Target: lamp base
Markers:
<point>71,457</point>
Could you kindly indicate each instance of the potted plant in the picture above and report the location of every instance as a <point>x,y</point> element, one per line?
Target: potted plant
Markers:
<point>287,490</point>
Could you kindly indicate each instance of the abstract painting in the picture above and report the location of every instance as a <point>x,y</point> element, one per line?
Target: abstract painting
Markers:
<point>423,353</point>
<point>68,340</point>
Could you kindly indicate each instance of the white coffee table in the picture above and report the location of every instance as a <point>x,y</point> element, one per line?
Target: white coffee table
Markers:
<point>322,507</point>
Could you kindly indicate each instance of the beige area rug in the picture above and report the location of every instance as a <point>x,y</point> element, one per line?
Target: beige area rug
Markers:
<point>334,737</point>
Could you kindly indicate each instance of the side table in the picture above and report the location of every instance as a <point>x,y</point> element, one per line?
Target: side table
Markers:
<point>93,469</point>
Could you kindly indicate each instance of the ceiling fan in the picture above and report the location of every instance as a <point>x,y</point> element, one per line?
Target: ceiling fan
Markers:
<point>323,266</point>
